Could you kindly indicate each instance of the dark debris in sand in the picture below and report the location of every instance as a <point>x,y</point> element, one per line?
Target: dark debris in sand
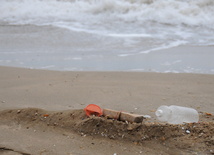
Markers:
<point>197,137</point>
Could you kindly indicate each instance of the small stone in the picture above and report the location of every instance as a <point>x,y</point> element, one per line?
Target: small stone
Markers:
<point>163,138</point>
<point>130,128</point>
<point>2,101</point>
<point>83,135</point>
<point>187,131</point>
<point>18,111</point>
<point>146,116</point>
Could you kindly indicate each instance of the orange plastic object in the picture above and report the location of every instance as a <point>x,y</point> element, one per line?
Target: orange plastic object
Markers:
<point>45,115</point>
<point>93,109</point>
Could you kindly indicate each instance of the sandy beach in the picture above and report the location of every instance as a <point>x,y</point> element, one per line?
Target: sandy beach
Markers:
<point>59,56</point>
<point>26,95</point>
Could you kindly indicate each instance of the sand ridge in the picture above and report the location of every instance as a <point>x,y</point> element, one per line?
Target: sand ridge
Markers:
<point>186,138</point>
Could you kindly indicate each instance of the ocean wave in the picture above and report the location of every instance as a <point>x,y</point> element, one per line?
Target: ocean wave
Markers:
<point>176,12</point>
<point>188,20</point>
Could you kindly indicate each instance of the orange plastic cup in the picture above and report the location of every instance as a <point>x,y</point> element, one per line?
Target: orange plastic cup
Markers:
<point>93,109</point>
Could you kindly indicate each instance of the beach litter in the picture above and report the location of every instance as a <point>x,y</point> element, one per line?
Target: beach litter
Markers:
<point>95,110</point>
<point>45,115</point>
<point>176,114</point>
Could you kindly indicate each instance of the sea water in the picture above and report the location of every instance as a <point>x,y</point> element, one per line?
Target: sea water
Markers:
<point>128,35</point>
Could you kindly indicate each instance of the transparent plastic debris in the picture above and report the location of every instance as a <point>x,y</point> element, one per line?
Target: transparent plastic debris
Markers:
<point>176,114</point>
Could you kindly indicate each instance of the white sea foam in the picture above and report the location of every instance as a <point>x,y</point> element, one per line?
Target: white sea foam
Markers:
<point>48,67</point>
<point>164,46</point>
<point>118,27</point>
<point>117,18</point>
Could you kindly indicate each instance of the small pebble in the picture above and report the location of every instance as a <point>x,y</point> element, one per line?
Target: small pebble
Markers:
<point>187,131</point>
<point>147,116</point>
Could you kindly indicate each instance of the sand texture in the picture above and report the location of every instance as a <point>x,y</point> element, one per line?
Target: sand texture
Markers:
<point>41,112</point>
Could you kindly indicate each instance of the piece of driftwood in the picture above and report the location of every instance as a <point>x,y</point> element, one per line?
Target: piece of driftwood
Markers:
<point>123,116</point>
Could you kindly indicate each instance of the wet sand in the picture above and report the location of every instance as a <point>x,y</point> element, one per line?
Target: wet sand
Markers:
<point>62,94</point>
<point>47,47</point>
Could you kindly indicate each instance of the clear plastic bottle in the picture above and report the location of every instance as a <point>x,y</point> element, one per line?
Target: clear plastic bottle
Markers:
<point>176,114</point>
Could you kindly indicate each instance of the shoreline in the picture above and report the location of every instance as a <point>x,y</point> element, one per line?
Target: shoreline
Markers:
<point>52,48</point>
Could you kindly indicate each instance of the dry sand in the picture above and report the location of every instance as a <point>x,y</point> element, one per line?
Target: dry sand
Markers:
<point>41,112</point>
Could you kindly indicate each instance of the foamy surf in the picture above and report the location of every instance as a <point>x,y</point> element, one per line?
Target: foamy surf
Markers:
<point>160,19</point>
<point>111,28</point>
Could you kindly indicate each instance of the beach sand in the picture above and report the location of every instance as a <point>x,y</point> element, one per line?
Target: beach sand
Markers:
<point>42,112</point>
